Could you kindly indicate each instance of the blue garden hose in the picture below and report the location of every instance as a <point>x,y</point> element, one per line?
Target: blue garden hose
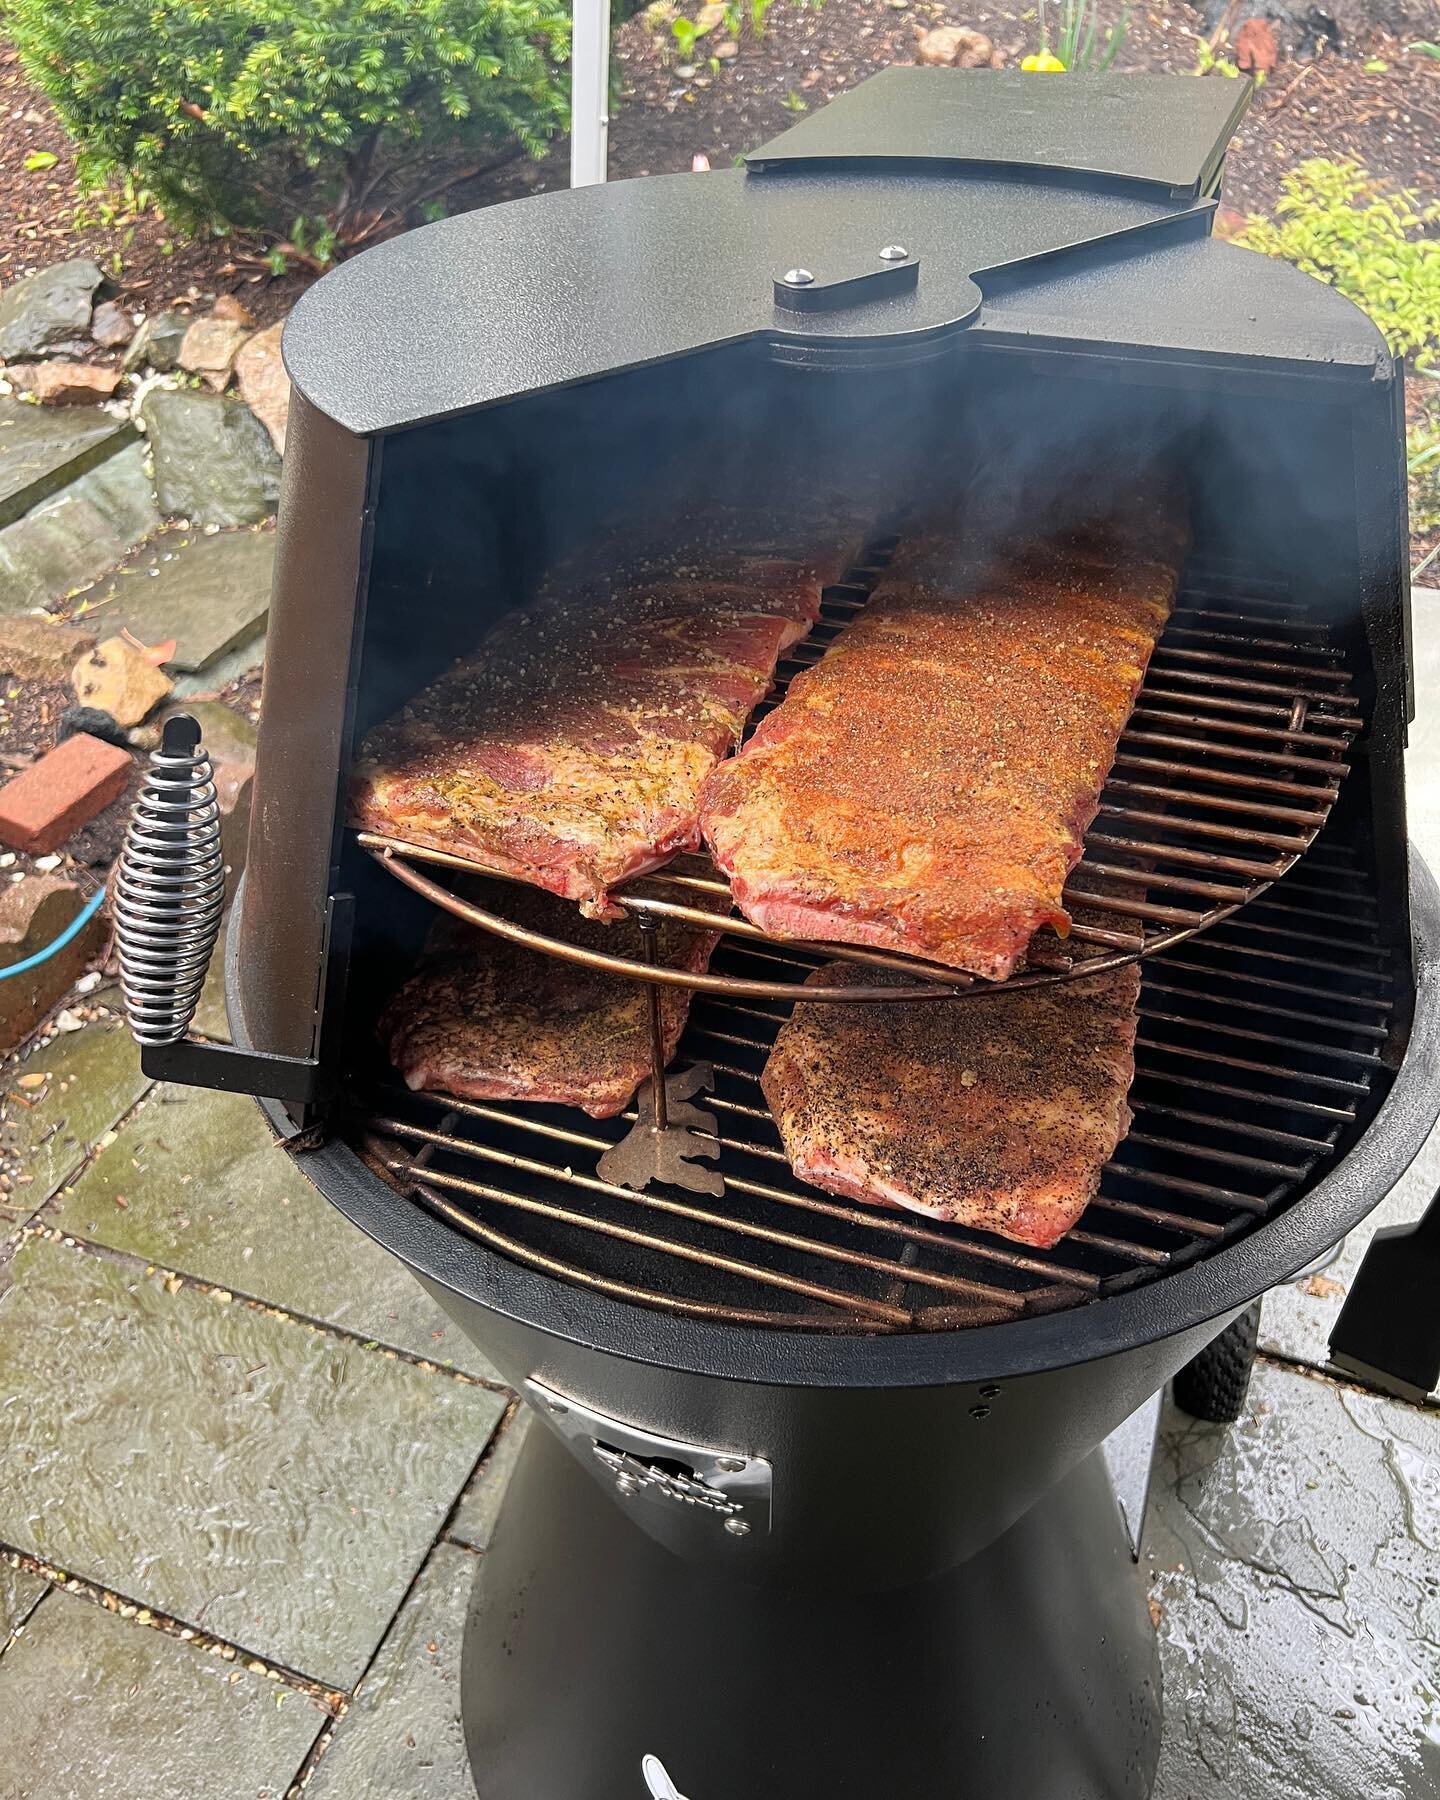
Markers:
<point>86,913</point>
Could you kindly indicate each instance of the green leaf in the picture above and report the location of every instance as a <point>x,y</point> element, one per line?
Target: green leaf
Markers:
<point>41,159</point>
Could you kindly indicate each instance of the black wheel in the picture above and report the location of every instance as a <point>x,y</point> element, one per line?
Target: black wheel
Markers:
<point>1213,1385</point>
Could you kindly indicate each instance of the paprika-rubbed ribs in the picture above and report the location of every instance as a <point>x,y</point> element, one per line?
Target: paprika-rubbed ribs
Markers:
<point>997,1112</point>
<point>487,1019</point>
<point>570,751</point>
<point>925,788</point>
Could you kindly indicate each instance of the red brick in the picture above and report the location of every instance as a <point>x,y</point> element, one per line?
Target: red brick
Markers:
<point>66,789</point>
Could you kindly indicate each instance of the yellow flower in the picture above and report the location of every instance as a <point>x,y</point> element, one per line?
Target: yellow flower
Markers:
<point>1043,63</point>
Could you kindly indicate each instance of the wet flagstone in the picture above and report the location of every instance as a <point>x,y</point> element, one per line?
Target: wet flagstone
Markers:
<point>41,451</point>
<point>479,1507</point>
<point>402,1734</point>
<point>94,1079</point>
<point>99,1708</point>
<point>20,1593</point>
<point>76,535</point>
<point>208,593</point>
<point>197,1183</point>
<point>270,1483</point>
<point>1296,1563</point>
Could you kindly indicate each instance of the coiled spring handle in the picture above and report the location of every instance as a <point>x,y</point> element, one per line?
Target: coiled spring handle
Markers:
<point>170,893</point>
<point>169,901</point>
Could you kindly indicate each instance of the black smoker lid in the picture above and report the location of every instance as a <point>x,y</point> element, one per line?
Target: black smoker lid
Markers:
<point>572,286</point>
<point>1167,131</point>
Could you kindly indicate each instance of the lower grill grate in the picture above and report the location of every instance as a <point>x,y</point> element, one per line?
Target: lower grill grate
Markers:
<point>1260,1046</point>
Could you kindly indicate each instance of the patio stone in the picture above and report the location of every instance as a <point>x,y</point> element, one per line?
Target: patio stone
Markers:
<point>94,1080</point>
<point>1294,1569</point>
<point>269,1483</point>
<point>208,1192</point>
<point>225,669</point>
<point>479,1506</point>
<point>20,1593</point>
<point>402,1734</point>
<point>42,451</point>
<point>48,312</point>
<point>214,462</point>
<point>101,1709</point>
<point>208,593</point>
<point>77,534</point>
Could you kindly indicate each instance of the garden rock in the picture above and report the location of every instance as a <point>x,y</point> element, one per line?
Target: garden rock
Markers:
<point>94,723</point>
<point>225,735</point>
<point>41,650</point>
<point>214,461</point>
<point>48,313</point>
<point>231,306</point>
<point>157,343</point>
<point>210,347</point>
<point>64,383</point>
<point>264,385</point>
<point>956,46</point>
<point>207,593</point>
<point>118,679</point>
<point>33,913</point>
<point>111,326</point>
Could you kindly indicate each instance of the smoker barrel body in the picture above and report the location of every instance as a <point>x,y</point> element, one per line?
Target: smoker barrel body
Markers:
<point>573,360</point>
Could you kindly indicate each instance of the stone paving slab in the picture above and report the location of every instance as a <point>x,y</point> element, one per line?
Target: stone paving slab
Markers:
<point>244,1473</point>
<point>75,536</point>
<point>20,1593</point>
<point>479,1506</point>
<point>1294,1561</point>
<point>402,1734</point>
<point>100,1709</point>
<point>248,655</point>
<point>94,1080</point>
<point>41,451</point>
<point>208,593</point>
<point>197,1183</point>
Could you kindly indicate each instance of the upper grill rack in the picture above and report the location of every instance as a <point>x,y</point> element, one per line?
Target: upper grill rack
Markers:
<point>1225,774</point>
<point>1260,1047</point>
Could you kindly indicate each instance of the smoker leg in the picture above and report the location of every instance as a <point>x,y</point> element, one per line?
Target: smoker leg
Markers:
<point>1029,1673</point>
<point>1213,1385</point>
<point>1388,1332</point>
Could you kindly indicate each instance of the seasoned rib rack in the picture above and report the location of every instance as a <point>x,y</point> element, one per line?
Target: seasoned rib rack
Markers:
<point>1258,1051</point>
<point>1226,772</point>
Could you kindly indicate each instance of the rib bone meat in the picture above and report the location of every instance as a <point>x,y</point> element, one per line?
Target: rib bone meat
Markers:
<point>486,1019</point>
<point>998,1113</point>
<point>571,750</point>
<point>926,787</point>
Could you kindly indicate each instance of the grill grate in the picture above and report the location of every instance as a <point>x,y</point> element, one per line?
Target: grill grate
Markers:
<point>1225,775</point>
<point>1260,1046</point>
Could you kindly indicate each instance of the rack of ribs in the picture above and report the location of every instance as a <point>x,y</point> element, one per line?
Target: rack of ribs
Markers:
<point>486,1019</point>
<point>570,750</point>
<point>998,1113</point>
<point>926,787</point>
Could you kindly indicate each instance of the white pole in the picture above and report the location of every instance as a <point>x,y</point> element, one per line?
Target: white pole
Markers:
<point>589,91</point>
